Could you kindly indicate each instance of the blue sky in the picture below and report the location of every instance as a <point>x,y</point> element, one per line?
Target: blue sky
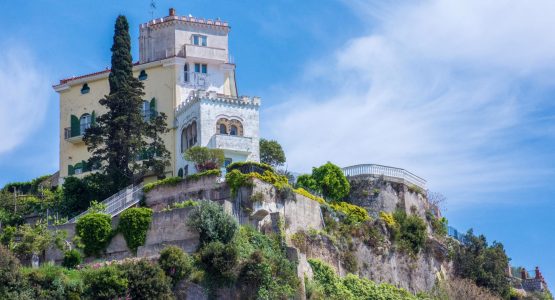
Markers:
<point>458,93</point>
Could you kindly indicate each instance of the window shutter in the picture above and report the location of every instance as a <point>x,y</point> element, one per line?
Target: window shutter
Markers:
<point>85,165</point>
<point>93,118</point>
<point>180,172</point>
<point>70,170</point>
<point>75,126</point>
<point>153,112</point>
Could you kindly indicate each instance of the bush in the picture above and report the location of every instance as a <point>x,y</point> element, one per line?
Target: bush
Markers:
<point>205,158</point>
<point>54,282</point>
<point>212,223</point>
<point>307,182</point>
<point>133,224</point>
<point>207,173</point>
<point>72,259</point>
<point>219,260</point>
<point>176,264</point>
<point>439,225</point>
<point>104,283</point>
<point>95,231</point>
<point>12,282</point>
<point>249,167</point>
<point>77,194</point>
<point>353,213</point>
<point>412,231</point>
<point>146,280</point>
<point>331,181</point>
<point>167,181</point>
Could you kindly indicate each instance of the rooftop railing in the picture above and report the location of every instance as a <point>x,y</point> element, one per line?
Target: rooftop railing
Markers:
<point>379,170</point>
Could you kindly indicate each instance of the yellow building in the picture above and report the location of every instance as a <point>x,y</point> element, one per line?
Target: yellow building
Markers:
<point>184,65</point>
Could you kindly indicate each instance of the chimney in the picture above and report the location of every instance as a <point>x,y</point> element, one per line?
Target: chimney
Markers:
<point>172,12</point>
<point>523,274</point>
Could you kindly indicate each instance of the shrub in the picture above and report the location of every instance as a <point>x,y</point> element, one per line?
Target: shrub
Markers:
<point>77,194</point>
<point>72,259</point>
<point>306,181</point>
<point>54,282</point>
<point>166,181</point>
<point>205,158</point>
<point>212,223</point>
<point>331,181</point>
<point>104,283</point>
<point>353,213</point>
<point>350,262</point>
<point>12,282</point>
<point>176,264</point>
<point>302,191</point>
<point>249,166</point>
<point>133,224</point>
<point>439,225</point>
<point>235,180</point>
<point>207,173</point>
<point>95,231</point>
<point>146,280</point>
<point>219,260</point>
<point>412,231</point>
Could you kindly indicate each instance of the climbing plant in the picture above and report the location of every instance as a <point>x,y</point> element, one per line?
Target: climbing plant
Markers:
<point>133,224</point>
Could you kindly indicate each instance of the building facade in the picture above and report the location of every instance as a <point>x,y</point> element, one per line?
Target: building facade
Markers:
<point>185,67</point>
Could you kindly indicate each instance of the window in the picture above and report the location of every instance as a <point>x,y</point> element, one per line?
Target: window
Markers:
<point>227,162</point>
<point>85,89</point>
<point>145,110</point>
<point>186,73</point>
<point>201,68</point>
<point>233,130</point>
<point>143,75</point>
<point>223,129</point>
<point>180,173</point>
<point>199,40</point>
<point>188,136</point>
<point>84,123</point>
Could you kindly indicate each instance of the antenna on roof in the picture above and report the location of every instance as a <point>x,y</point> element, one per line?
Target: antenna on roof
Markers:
<point>152,8</point>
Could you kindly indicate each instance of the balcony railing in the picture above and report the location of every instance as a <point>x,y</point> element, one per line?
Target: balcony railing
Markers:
<point>204,52</point>
<point>379,170</point>
<point>197,80</point>
<point>231,142</point>
<point>75,135</point>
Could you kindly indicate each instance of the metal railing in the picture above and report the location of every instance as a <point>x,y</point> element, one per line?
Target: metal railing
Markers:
<point>119,201</point>
<point>379,170</point>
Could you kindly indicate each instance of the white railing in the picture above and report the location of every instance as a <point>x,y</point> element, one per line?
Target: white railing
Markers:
<point>119,201</point>
<point>231,142</point>
<point>379,170</point>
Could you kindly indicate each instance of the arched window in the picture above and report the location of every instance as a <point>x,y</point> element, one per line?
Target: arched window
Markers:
<point>85,89</point>
<point>186,73</point>
<point>223,129</point>
<point>189,136</point>
<point>233,130</point>
<point>84,123</point>
<point>180,173</point>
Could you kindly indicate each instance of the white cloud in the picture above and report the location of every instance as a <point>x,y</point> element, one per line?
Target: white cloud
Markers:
<point>446,89</point>
<point>24,94</point>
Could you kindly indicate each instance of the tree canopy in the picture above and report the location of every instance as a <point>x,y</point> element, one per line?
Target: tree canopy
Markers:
<point>271,153</point>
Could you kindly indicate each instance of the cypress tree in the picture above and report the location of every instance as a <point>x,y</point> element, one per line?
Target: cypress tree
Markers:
<point>123,144</point>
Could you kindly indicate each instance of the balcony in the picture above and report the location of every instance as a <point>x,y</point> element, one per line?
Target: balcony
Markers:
<point>238,144</point>
<point>208,53</point>
<point>75,135</point>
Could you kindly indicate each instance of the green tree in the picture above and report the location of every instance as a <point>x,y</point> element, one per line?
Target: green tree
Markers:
<point>176,264</point>
<point>308,183</point>
<point>146,280</point>
<point>122,136</point>
<point>205,158</point>
<point>482,263</point>
<point>331,181</point>
<point>212,223</point>
<point>271,153</point>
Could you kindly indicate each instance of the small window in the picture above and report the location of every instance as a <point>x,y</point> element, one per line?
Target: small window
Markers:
<point>201,68</point>
<point>180,173</point>
<point>143,75</point>
<point>227,162</point>
<point>199,40</point>
<point>233,130</point>
<point>223,130</point>
<point>186,73</point>
<point>85,89</point>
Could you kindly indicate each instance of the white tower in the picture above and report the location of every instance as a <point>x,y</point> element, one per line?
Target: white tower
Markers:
<point>208,111</point>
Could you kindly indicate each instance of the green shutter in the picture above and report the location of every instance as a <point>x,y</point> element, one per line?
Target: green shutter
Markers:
<point>153,113</point>
<point>93,118</point>
<point>85,165</point>
<point>70,170</point>
<point>75,126</point>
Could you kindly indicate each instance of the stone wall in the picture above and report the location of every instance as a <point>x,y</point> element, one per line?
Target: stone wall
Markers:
<point>166,228</point>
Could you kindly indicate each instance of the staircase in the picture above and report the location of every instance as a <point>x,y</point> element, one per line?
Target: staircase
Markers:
<point>119,201</point>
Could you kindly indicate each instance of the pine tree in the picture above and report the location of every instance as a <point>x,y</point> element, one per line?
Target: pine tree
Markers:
<point>121,137</point>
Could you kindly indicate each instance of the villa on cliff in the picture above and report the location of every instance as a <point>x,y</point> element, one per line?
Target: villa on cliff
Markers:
<point>187,73</point>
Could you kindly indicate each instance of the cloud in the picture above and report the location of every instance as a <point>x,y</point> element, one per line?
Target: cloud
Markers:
<point>453,91</point>
<point>24,94</point>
